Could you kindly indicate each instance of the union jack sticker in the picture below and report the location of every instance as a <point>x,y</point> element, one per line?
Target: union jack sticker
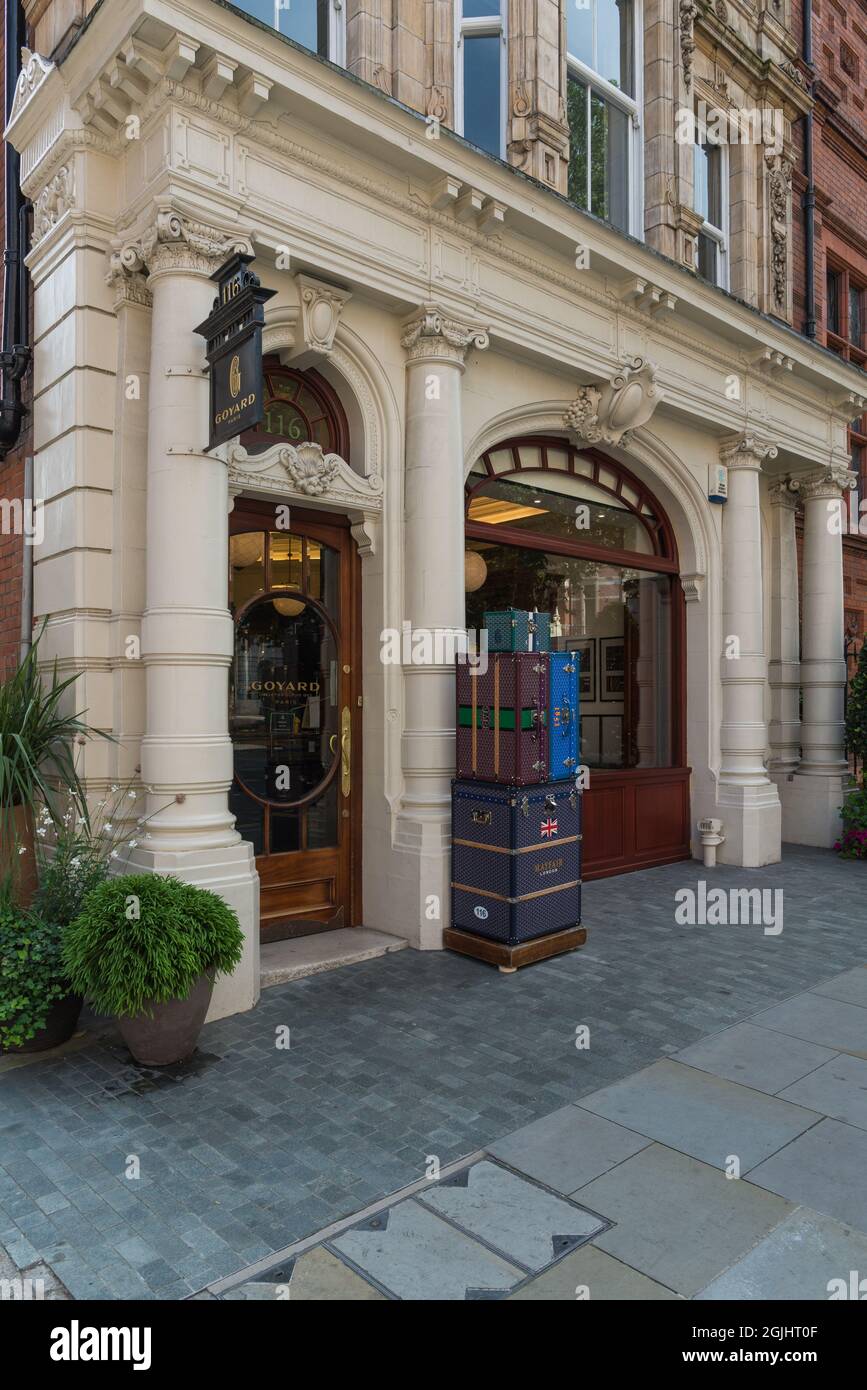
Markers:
<point>549,828</point>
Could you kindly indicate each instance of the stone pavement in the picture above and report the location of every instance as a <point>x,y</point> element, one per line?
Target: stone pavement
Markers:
<point>582,1174</point>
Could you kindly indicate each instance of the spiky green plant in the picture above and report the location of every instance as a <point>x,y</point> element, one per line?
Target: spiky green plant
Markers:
<point>141,939</point>
<point>856,713</point>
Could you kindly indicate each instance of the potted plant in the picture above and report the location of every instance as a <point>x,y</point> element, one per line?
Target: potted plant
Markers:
<point>37,1008</point>
<point>36,754</point>
<point>853,842</point>
<point>147,949</point>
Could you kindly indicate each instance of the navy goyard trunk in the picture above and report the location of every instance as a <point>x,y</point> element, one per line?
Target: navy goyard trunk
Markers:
<point>518,631</point>
<point>563,714</point>
<point>516,860</point>
<point>502,719</point>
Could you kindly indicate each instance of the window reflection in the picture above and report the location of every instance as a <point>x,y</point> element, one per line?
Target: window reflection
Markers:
<point>305,21</point>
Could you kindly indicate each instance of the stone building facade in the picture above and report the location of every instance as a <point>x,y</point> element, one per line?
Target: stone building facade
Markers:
<point>532,341</point>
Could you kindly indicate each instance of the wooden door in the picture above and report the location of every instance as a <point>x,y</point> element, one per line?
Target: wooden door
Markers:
<point>294,715</point>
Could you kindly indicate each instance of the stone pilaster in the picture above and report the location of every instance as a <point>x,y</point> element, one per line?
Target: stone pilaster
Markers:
<point>434,598</point>
<point>538,131</point>
<point>660,150</point>
<point>784,669</point>
<point>187,633</point>
<point>815,795</point>
<point>748,800</point>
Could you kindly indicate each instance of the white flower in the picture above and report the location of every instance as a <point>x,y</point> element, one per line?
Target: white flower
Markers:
<point>100,804</point>
<point>41,832</point>
<point>115,788</point>
<point>133,844</point>
<point>115,854</point>
<point>74,863</point>
<point>132,795</point>
<point>106,829</point>
<point>22,849</point>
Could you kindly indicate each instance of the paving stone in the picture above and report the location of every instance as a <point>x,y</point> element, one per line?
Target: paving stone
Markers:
<point>679,1221</point>
<point>838,1089</point>
<point>817,1018</point>
<point>567,1148</point>
<point>523,1221</point>
<point>823,1169</point>
<point>316,1276</point>
<point>415,1255</point>
<point>590,1274</point>
<point>757,1057</point>
<point>701,1114</point>
<point>851,986</point>
<point>798,1260</point>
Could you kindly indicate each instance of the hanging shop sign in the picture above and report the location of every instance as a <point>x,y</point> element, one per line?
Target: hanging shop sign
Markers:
<point>233,332</point>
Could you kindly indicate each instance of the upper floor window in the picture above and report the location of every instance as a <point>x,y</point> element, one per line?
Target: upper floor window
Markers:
<point>603,110</point>
<point>710,180</point>
<point>317,24</point>
<point>846,314</point>
<point>480,73</point>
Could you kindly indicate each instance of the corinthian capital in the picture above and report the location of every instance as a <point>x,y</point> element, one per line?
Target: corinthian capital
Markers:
<point>746,451</point>
<point>785,493</point>
<point>176,242</point>
<point>829,483</point>
<point>431,333</point>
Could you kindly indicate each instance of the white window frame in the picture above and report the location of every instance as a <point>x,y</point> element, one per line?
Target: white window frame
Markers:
<point>487,26</point>
<point>631,105</point>
<point>721,235</point>
<point>336,29</point>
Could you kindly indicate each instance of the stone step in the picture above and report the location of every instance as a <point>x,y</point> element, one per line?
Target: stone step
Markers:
<point>311,955</point>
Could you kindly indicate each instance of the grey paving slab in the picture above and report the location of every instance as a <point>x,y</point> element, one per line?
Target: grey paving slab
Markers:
<point>679,1221</point>
<point>800,1259</point>
<point>589,1274</point>
<point>756,1057</point>
<point>851,986</point>
<point>415,1255</point>
<point>701,1114</point>
<point>820,1019</point>
<point>567,1148</point>
<point>316,1276</point>
<point>523,1221</point>
<point>823,1169</point>
<point>838,1089</point>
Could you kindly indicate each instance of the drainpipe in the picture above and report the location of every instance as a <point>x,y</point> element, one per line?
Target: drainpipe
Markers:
<point>29,514</point>
<point>14,353</point>
<point>809,200</point>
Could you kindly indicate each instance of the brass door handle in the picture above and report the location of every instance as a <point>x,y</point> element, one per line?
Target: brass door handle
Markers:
<point>332,744</point>
<point>346,751</point>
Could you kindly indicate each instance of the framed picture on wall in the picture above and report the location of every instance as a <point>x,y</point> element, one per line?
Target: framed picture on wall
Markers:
<point>586,648</point>
<point>612,674</point>
<point>590,750</point>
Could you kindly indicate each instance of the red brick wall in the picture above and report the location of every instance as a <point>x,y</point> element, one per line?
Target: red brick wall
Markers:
<point>11,486</point>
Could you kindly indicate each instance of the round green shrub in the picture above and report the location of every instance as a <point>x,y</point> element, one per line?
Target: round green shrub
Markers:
<point>141,939</point>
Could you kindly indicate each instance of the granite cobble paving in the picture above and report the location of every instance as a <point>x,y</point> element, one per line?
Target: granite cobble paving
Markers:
<point>391,1060</point>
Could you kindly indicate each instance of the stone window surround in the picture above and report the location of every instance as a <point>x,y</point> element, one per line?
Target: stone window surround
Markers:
<point>482,27</point>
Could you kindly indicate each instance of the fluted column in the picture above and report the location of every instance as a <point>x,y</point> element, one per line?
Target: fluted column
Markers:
<point>748,799</point>
<point>187,632</point>
<point>784,670</point>
<point>434,592</point>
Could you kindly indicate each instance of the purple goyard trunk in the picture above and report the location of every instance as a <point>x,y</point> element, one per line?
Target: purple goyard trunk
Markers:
<point>516,860</point>
<point>502,719</point>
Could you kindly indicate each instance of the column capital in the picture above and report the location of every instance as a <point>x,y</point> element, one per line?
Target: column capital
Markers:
<point>432,333</point>
<point>828,484</point>
<point>746,450</point>
<point>174,242</point>
<point>786,492</point>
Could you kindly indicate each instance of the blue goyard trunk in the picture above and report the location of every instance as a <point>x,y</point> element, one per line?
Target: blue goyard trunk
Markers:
<point>516,860</point>
<point>518,631</point>
<point>564,714</point>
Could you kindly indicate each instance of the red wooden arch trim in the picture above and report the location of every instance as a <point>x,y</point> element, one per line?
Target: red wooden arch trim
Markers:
<point>658,526</point>
<point>326,398</point>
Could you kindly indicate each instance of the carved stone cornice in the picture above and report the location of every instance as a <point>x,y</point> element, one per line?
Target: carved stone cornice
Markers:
<point>432,334</point>
<point>34,71</point>
<point>785,493</point>
<point>128,287</point>
<point>606,414</point>
<point>304,471</point>
<point>174,242</point>
<point>828,484</point>
<point>746,451</point>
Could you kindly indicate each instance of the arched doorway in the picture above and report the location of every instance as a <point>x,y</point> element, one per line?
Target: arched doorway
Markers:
<point>294,689</point>
<point>575,533</point>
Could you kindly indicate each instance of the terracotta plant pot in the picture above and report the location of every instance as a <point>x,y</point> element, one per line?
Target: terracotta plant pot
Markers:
<point>22,867</point>
<point>59,1026</point>
<point>171,1033</point>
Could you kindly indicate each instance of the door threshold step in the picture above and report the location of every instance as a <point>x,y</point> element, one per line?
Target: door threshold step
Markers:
<point>310,955</point>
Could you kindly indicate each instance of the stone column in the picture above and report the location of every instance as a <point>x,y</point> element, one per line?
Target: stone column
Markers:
<point>187,633</point>
<point>814,799</point>
<point>784,670</point>
<point>748,800</point>
<point>434,599</point>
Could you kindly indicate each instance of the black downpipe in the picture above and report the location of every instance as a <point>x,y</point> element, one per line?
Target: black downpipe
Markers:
<point>15,353</point>
<point>809,200</point>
